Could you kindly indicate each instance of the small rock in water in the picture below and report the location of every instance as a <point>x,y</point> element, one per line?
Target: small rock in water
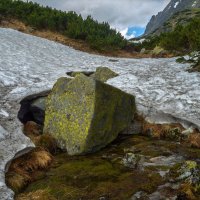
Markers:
<point>189,170</point>
<point>164,160</point>
<point>140,195</point>
<point>188,175</point>
<point>131,160</point>
<point>103,198</point>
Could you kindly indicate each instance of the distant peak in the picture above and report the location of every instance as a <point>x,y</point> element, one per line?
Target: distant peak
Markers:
<point>173,7</point>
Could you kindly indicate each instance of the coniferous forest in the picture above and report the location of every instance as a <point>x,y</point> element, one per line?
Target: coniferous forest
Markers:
<point>99,36</point>
<point>184,39</point>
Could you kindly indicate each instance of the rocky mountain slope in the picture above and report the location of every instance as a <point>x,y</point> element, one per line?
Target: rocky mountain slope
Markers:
<point>180,18</point>
<point>173,7</point>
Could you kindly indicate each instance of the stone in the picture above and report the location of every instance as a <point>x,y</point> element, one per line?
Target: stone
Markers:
<point>140,195</point>
<point>143,50</point>
<point>186,133</point>
<point>37,108</point>
<point>132,160</point>
<point>113,60</point>
<point>188,171</point>
<point>103,74</point>
<point>135,128</point>
<point>75,73</point>
<point>87,114</point>
<point>33,108</point>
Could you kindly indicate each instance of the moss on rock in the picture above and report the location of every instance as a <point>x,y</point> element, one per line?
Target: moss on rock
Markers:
<point>85,115</point>
<point>103,74</point>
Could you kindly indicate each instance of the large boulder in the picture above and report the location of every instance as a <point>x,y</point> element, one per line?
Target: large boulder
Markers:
<point>86,114</point>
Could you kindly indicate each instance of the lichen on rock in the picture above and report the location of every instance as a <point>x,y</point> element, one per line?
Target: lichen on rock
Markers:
<point>103,74</point>
<point>84,114</point>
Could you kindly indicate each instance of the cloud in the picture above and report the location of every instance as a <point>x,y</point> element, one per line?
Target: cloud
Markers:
<point>119,13</point>
<point>126,35</point>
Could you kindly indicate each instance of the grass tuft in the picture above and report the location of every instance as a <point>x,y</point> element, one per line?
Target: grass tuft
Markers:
<point>22,169</point>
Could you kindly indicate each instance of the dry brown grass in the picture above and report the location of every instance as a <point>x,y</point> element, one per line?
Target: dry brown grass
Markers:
<point>34,132</point>
<point>37,195</point>
<point>17,181</point>
<point>22,169</point>
<point>32,129</point>
<point>161,131</point>
<point>188,191</point>
<point>40,159</point>
<point>48,142</point>
<point>194,140</point>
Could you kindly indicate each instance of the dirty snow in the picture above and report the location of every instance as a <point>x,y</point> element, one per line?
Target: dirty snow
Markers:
<point>4,113</point>
<point>176,4</point>
<point>164,91</point>
<point>194,4</point>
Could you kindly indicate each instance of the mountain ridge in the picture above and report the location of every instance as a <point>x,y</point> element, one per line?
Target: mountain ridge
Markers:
<point>173,7</point>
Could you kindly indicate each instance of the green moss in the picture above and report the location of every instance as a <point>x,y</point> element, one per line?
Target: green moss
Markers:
<point>191,164</point>
<point>85,115</point>
<point>103,74</point>
<point>89,177</point>
<point>154,179</point>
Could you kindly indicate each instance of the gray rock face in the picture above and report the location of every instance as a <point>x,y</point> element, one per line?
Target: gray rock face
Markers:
<point>86,114</point>
<point>173,7</point>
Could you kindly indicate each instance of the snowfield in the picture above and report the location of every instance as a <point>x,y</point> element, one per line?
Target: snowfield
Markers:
<point>164,91</point>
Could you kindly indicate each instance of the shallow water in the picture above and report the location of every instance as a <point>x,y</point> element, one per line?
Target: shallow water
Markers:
<point>130,166</point>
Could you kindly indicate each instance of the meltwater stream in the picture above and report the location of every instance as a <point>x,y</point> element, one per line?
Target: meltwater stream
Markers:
<point>164,90</point>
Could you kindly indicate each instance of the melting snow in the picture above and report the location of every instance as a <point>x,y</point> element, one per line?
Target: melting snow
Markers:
<point>164,91</point>
<point>194,4</point>
<point>4,113</point>
<point>176,4</point>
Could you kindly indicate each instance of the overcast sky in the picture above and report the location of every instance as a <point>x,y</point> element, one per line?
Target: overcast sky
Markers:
<point>121,14</point>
